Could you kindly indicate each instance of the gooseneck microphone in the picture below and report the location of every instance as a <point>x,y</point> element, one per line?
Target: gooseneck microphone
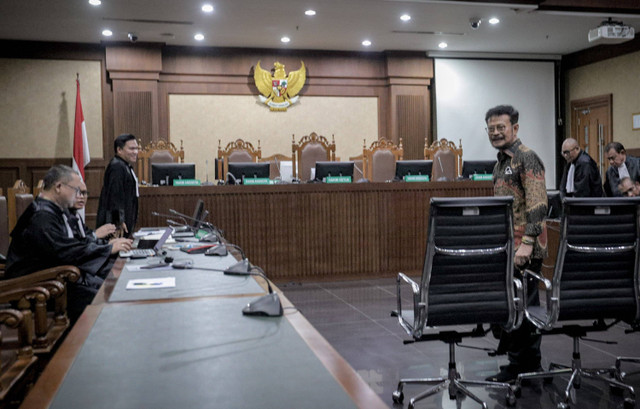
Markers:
<point>201,222</point>
<point>167,216</point>
<point>235,180</point>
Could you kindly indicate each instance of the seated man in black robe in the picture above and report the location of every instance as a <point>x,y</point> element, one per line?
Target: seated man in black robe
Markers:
<point>80,229</point>
<point>43,239</point>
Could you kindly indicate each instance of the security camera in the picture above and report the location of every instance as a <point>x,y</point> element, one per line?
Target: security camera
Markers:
<point>132,37</point>
<point>475,23</point>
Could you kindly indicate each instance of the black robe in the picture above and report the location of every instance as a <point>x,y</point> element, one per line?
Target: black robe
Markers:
<point>586,178</point>
<point>612,179</point>
<point>118,197</point>
<point>41,240</point>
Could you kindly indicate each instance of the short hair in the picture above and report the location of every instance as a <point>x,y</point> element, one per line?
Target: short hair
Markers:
<point>57,173</point>
<point>614,145</point>
<point>500,110</point>
<point>121,140</point>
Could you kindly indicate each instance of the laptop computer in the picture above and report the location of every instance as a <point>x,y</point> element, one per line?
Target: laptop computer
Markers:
<point>142,253</point>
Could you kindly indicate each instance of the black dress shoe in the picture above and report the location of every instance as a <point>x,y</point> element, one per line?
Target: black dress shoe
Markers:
<point>507,374</point>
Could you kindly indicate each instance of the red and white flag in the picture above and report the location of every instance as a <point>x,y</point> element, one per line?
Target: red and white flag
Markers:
<point>81,156</point>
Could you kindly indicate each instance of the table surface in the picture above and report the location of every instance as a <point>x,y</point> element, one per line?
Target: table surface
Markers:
<point>193,282</point>
<point>192,347</point>
<point>195,354</point>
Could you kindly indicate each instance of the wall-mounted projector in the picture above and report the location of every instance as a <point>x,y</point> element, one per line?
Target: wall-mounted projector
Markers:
<point>611,32</point>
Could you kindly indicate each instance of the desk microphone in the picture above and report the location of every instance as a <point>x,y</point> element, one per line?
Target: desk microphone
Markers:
<point>167,216</point>
<point>268,305</point>
<point>235,181</point>
<point>200,221</point>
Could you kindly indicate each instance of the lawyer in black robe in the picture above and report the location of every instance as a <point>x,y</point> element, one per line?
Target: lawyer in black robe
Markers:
<point>119,196</point>
<point>41,240</point>
<point>586,180</point>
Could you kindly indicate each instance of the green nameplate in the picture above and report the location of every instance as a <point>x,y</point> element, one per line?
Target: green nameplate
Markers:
<point>337,179</point>
<point>186,182</point>
<point>257,181</point>
<point>482,176</point>
<point>416,178</point>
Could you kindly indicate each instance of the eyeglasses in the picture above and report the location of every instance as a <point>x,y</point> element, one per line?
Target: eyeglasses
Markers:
<point>77,189</point>
<point>565,153</point>
<point>492,129</point>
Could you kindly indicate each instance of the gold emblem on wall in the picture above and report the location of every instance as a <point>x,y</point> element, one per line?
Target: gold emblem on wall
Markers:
<point>280,90</point>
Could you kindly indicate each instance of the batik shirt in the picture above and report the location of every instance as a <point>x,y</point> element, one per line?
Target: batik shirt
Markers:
<point>520,173</point>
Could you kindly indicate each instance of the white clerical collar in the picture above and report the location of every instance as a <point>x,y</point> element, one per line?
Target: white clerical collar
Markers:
<point>623,172</point>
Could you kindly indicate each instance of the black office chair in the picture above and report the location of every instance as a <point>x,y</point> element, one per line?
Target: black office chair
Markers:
<point>467,279</point>
<point>595,279</point>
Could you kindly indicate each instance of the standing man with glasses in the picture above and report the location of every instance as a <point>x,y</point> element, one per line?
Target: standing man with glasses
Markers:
<point>520,173</point>
<point>581,177</point>
<point>43,238</point>
<point>622,166</point>
<point>119,197</point>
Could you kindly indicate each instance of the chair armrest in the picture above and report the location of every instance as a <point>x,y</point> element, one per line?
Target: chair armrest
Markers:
<point>60,273</point>
<point>416,325</point>
<point>519,301</point>
<point>542,319</point>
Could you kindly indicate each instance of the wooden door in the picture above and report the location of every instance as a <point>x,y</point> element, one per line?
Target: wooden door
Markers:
<point>591,126</point>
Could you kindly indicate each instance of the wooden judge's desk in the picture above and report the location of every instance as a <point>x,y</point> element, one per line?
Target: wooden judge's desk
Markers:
<point>315,232</point>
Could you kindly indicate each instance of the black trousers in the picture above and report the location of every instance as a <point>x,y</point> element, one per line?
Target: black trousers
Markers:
<point>522,345</point>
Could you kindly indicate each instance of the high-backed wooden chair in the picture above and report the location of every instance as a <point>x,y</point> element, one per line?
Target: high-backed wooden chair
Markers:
<point>446,157</point>
<point>19,197</point>
<point>309,150</point>
<point>274,164</point>
<point>236,151</point>
<point>380,160</point>
<point>157,152</point>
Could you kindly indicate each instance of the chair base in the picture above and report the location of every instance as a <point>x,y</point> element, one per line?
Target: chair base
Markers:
<point>453,383</point>
<point>617,371</point>
<point>577,373</point>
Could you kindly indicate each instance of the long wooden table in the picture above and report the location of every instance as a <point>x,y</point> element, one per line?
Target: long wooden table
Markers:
<point>188,348</point>
<point>313,232</point>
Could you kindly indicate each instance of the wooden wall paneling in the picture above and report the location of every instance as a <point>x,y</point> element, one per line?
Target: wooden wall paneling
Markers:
<point>412,124</point>
<point>133,113</point>
<point>318,232</point>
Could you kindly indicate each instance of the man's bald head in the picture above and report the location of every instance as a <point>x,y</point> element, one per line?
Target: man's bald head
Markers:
<point>570,149</point>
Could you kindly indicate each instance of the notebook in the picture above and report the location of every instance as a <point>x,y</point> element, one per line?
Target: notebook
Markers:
<point>142,253</point>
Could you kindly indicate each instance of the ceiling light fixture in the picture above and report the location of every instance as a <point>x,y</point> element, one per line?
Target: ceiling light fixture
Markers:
<point>405,17</point>
<point>107,33</point>
<point>95,2</point>
<point>366,43</point>
<point>443,45</point>
<point>494,20</point>
<point>310,12</point>
<point>199,37</point>
<point>207,8</point>
<point>285,39</point>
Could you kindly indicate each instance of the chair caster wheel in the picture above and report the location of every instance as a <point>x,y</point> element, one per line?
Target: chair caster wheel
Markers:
<point>398,397</point>
<point>563,405</point>
<point>511,399</point>
<point>517,391</point>
<point>629,403</point>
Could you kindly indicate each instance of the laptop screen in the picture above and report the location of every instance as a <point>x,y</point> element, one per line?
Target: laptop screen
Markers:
<point>163,239</point>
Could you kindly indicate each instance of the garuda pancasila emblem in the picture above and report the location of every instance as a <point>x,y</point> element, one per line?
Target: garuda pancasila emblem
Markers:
<point>280,90</point>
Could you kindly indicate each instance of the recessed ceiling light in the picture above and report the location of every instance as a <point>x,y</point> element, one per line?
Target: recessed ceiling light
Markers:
<point>405,17</point>
<point>310,12</point>
<point>107,33</point>
<point>443,45</point>
<point>285,39</point>
<point>207,8</point>
<point>366,43</point>
<point>95,2</point>
<point>199,37</point>
<point>494,20</point>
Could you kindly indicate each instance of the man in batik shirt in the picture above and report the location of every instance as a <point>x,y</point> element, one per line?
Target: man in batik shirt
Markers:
<point>520,173</point>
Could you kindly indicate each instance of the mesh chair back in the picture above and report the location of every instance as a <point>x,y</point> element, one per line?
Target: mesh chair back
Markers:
<point>469,262</point>
<point>596,273</point>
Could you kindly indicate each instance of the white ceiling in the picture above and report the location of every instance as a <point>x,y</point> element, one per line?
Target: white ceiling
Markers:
<point>338,24</point>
